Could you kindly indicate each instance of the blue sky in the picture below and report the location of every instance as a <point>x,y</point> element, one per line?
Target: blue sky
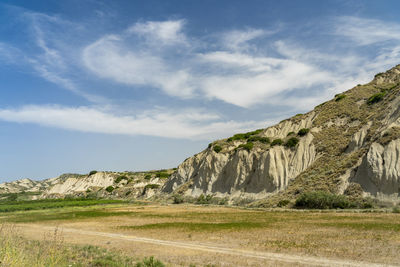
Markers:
<point>139,85</point>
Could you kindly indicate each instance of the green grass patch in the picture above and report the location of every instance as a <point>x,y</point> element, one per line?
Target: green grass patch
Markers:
<point>369,226</point>
<point>196,226</point>
<point>248,146</point>
<point>62,215</point>
<point>376,98</point>
<point>9,206</point>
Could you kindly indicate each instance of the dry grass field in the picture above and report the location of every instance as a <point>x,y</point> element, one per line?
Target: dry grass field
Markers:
<point>190,235</point>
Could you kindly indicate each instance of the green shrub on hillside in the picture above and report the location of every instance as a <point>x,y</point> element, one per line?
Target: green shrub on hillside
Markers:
<point>152,186</point>
<point>248,146</point>
<point>147,176</point>
<point>303,132</point>
<point>109,189</point>
<point>292,142</point>
<point>264,140</point>
<point>120,178</point>
<point>92,172</point>
<point>290,133</point>
<point>278,142</point>
<point>376,98</point>
<point>162,175</point>
<point>244,136</point>
<point>323,200</point>
<point>339,97</point>
<point>217,148</point>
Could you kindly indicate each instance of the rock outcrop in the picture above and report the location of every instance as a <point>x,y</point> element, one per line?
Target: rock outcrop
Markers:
<point>245,173</point>
<point>379,172</point>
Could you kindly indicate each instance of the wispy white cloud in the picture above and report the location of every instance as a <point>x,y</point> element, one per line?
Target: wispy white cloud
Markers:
<point>239,39</point>
<point>187,123</point>
<point>366,31</point>
<point>231,73</point>
<point>47,62</point>
<point>167,32</point>
<point>247,68</point>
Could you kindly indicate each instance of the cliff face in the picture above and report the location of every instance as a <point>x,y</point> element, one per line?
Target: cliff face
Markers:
<point>354,138</point>
<point>256,173</point>
<point>379,172</point>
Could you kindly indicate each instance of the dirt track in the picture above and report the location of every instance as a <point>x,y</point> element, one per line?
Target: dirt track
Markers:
<point>265,256</point>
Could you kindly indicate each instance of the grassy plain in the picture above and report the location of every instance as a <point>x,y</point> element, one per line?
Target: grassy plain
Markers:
<point>368,236</point>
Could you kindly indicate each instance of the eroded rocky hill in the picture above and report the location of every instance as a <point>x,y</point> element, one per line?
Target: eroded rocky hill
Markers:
<point>95,185</point>
<point>348,145</point>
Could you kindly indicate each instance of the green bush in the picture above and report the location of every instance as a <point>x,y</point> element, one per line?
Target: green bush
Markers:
<point>264,140</point>
<point>248,146</point>
<point>303,132</point>
<point>292,142</point>
<point>354,190</point>
<point>178,199</point>
<point>92,172</point>
<point>244,136</point>
<point>128,193</point>
<point>120,178</point>
<point>150,262</point>
<point>290,133</point>
<point>323,200</point>
<point>152,186</point>
<point>339,97</point>
<point>109,189</point>
<point>283,203</point>
<point>396,209</point>
<point>162,175</point>
<point>376,98</point>
<point>278,142</point>
<point>204,199</point>
<point>147,176</point>
<point>217,148</point>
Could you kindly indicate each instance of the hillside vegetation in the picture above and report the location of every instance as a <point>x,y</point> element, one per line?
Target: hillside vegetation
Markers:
<point>351,141</point>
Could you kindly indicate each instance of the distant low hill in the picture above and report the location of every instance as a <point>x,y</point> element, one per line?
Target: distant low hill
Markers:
<point>93,185</point>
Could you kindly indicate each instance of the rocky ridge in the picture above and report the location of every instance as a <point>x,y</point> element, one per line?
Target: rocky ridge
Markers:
<point>353,138</point>
<point>95,185</point>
